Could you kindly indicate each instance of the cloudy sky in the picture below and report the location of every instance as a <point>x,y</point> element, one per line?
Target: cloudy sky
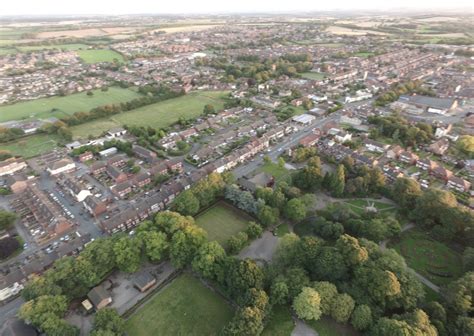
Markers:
<point>54,7</point>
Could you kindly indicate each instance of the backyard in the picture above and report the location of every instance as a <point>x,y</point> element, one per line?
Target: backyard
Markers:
<point>221,221</point>
<point>92,56</point>
<point>185,307</point>
<point>67,105</point>
<point>157,115</point>
<point>432,259</point>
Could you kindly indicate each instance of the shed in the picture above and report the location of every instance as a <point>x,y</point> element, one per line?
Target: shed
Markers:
<point>144,281</point>
<point>99,297</point>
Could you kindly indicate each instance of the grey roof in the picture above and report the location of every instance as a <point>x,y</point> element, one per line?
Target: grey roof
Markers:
<point>438,103</point>
<point>97,294</point>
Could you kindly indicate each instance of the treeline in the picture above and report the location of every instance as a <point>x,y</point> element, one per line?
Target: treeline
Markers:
<point>401,130</point>
<point>401,89</point>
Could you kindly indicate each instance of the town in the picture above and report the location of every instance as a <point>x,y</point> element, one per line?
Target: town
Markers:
<point>254,174</point>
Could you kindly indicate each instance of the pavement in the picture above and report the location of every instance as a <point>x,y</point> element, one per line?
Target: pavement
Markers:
<point>262,248</point>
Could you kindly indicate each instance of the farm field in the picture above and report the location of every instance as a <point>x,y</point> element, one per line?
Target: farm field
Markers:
<point>99,55</point>
<point>67,105</point>
<point>280,323</point>
<point>313,75</point>
<point>185,307</point>
<point>158,115</point>
<point>74,46</point>
<point>31,146</point>
<point>221,221</point>
<point>432,259</point>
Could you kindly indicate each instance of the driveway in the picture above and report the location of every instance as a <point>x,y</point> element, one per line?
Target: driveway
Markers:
<point>262,248</point>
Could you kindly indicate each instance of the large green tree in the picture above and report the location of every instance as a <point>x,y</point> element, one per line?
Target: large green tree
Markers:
<point>307,304</point>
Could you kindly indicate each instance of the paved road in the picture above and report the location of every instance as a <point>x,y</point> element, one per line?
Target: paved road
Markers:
<point>262,248</point>
<point>302,329</point>
<point>9,310</point>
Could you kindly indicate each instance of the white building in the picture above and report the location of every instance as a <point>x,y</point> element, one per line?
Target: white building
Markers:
<point>304,119</point>
<point>62,166</point>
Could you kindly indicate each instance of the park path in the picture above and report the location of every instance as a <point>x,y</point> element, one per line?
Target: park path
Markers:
<point>425,281</point>
<point>302,329</point>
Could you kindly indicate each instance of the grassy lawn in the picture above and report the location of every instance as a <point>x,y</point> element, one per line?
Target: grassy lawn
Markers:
<point>431,295</point>
<point>359,205</point>
<point>280,323</point>
<point>32,145</point>
<point>313,75</point>
<point>275,170</point>
<point>282,229</point>
<point>67,105</point>
<point>328,327</point>
<point>68,47</point>
<point>185,307</point>
<point>222,221</point>
<point>99,55</point>
<point>432,259</point>
<point>157,115</point>
<point>7,51</point>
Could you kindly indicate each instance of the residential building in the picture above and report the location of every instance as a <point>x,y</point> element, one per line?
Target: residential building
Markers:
<point>65,165</point>
<point>439,147</point>
<point>458,184</point>
<point>11,166</point>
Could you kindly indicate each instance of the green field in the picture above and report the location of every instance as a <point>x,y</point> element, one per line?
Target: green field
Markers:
<point>359,205</point>
<point>74,46</point>
<point>280,323</point>
<point>157,115</point>
<point>6,51</point>
<point>31,146</point>
<point>363,54</point>
<point>313,75</point>
<point>185,307</point>
<point>99,55</point>
<point>432,259</point>
<point>221,221</point>
<point>67,105</point>
<point>280,174</point>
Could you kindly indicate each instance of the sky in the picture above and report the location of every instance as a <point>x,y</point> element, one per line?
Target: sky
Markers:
<point>113,7</point>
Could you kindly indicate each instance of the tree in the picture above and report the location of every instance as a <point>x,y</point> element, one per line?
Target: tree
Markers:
<point>38,310</point>
<point>267,215</point>
<point>54,326</point>
<point>170,222</point>
<point>8,246</point>
<point>307,304</point>
<point>243,275</point>
<point>361,318</point>
<point>288,249</point>
<point>210,261</point>
<point>279,292</point>
<point>254,230</point>
<point>353,253</point>
<point>460,294</point>
<point>342,307</point>
<point>281,162</point>
<point>337,181</point>
<point>296,279</point>
<point>256,298</point>
<point>185,244</point>
<point>295,210</point>
<point>127,254</point>
<point>327,292</point>
<point>107,319</point>
<point>7,219</point>
<point>155,243</point>
<point>186,203</point>
<point>248,321</point>
<point>465,144</point>
<point>432,205</point>
<point>330,265</point>
<point>237,242</point>
<point>468,259</point>
<point>405,191</point>
<point>209,109</point>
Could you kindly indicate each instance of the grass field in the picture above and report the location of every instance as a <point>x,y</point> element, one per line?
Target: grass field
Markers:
<point>31,146</point>
<point>99,55</point>
<point>185,307</point>
<point>157,115</point>
<point>432,259</point>
<point>313,75</point>
<point>328,327</point>
<point>280,323</point>
<point>6,51</point>
<point>222,221</point>
<point>73,46</point>
<point>67,105</point>
<point>279,173</point>
<point>363,54</point>
<point>359,205</point>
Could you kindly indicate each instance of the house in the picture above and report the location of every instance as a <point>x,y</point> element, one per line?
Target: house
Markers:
<point>309,140</point>
<point>116,132</point>
<point>117,161</point>
<point>394,152</point>
<point>340,135</point>
<point>442,131</point>
<point>94,205</point>
<point>439,147</point>
<point>408,157</point>
<point>86,156</point>
<point>144,153</point>
<point>115,174</point>
<point>375,146</point>
<point>186,134</point>
<point>108,152</point>
<point>11,166</point>
<point>442,173</point>
<point>99,297</point>
<point>426,164</point>
<point>260,180</point>
<point>458,184</point>
<point>98,168</point>
<point>160,168</point>
<point>76,189</point>
<point>304,119</point>
<point>122,189</point>
<point>62,166</point>
<point>429,104</point>
<point>144,281</point>
<point>175,166</point>
<point>142,180</point>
